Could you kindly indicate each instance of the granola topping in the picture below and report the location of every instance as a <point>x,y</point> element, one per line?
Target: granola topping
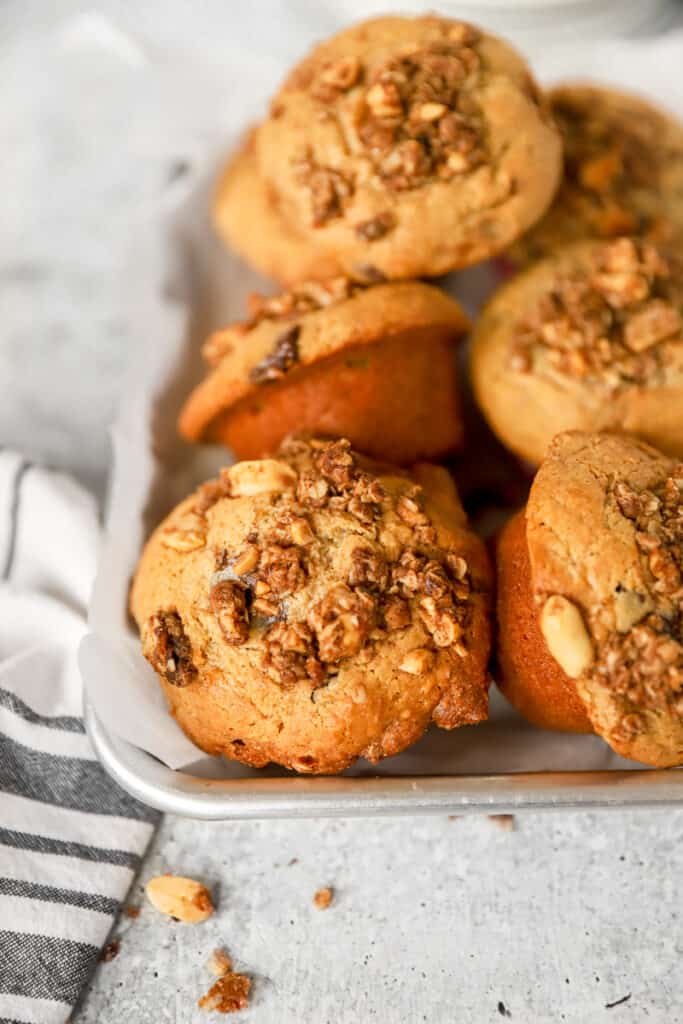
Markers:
<point>171,655</point>
<point>644,665</point>
<point>611,325</point>
<point>412,117</point>
<point>386,570</point>
<point>229,605</point>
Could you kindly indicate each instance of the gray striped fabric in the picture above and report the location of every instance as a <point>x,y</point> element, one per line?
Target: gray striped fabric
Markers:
<point>70,840</point>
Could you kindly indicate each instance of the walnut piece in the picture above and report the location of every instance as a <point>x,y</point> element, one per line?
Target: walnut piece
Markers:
<point>342,622</point>
<point>171,655</point>
<point>418,120</point>
<point>229,605</point>
<point>180,898</point>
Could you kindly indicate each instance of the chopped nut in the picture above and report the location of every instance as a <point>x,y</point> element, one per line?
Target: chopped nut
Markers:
<point>655,322</point>
<point>228,994</point>
<point>408,508</point>
<point>246,560</point>
<point>301,532</point>
<point>281,570</point>
<point>566,635</point>
<point>418,661</point>
<point>171,654</point>
<point>219,963</point>
<point>284,356</point>
<point>397,613</point>
<point>323,898</point>
<point>629,608</point>
<point>442,623</point>
<point>342,622</point>
<point>430,111</point>
<point>181,898</point>
<point>228,604</point>
<point>182,541</point>
<point>259,476</point>
<point>384,100</point>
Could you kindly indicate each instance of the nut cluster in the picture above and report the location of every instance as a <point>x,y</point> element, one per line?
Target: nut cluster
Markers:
<point>610,323</point>
<point>644,665</point>
<point>419,120</point>
<point>378,584</point>
<point>413,116</point>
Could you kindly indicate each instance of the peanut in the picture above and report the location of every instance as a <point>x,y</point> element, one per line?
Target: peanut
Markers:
<point>566,635</point>
<point>180,898</point>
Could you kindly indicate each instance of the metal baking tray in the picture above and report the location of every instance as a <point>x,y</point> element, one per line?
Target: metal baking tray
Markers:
<point>286,796</point>
<point>503,765</point>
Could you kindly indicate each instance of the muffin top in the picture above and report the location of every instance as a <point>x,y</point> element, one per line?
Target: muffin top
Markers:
<point>414,144</point>
<point>580,340</point>
<point>315,607</point>
<point>604,526</point>
<point>623,172</point>
<point>310,322</point>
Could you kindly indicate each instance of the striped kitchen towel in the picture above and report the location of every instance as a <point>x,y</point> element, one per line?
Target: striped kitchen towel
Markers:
<point>70,840</point>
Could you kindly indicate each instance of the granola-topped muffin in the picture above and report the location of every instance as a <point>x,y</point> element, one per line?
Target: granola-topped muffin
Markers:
<point>590,339</point>
<point>315,608</point>
<point>343,358</point>
<point>245,209</point>
<point>415,145</point>
<point>590,597</point>
<point>623,173</point>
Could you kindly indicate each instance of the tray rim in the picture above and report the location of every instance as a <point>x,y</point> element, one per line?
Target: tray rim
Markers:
<point>176,792</point>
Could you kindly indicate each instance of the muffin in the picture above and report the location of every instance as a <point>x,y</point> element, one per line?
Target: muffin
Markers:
<point>316,607</point>
<point>623,173</point>
<point>371,363</point>
<point>590,597</point>
<point>246,216</point>
<point>415,145</point>
<point>589,339</point>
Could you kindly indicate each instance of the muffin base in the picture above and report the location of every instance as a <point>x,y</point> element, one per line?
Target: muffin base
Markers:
<point>528,675</point>
<point>396,400</point>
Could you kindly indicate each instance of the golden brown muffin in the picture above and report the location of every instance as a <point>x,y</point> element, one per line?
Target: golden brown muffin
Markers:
<point>246,216</point>
<point>590,599</point>
<point>415,145</point>
<point>374,364</point>
<point>589,339</point>
<point>623,173</point>
<point>316,608</point>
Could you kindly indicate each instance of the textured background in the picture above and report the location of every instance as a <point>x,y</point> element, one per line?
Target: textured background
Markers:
<point>435,920</point>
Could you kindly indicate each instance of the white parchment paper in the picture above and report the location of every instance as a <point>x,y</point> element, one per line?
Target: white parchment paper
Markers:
<point>182,284</point>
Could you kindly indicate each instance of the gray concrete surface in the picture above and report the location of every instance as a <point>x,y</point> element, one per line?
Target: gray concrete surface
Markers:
<point>434,920</point>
